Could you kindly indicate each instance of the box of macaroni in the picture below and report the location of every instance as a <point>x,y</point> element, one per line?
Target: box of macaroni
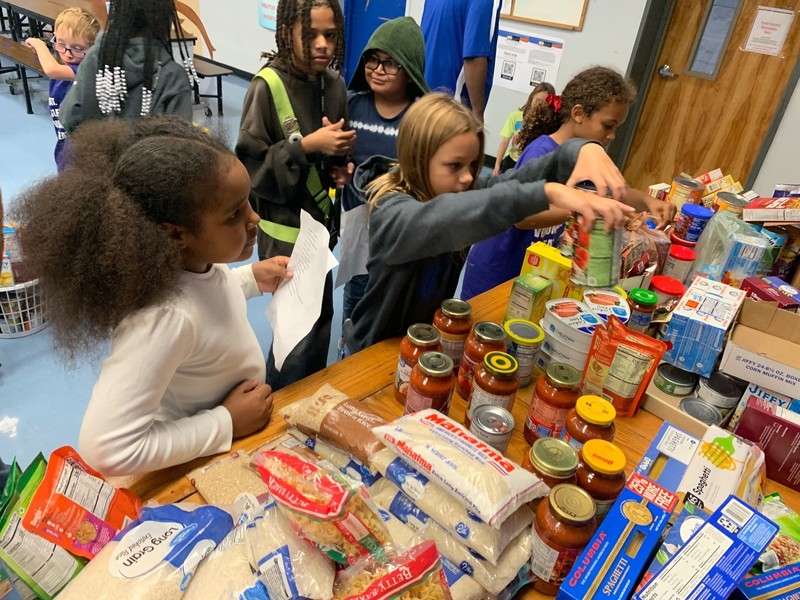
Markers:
<point>546,261</point>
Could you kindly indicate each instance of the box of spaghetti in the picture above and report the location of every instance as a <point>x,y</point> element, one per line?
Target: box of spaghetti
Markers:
<point>613,562</point>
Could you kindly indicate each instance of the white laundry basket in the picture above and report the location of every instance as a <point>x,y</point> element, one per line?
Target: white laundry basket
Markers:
<point>22,310</point>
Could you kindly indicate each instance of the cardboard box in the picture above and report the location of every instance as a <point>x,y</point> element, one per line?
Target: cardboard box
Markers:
<point>777,432</point>
<point>756,391</point>
<point>716,557</point>
<point>779,584</point>
<point>667,406</point>
<point>764,348</point>
<point>772,289</point>
<point>699,324</point>
<point>712,175</point>
<point>612,563</point>
<point>529,294</point>
<point>548,262</point>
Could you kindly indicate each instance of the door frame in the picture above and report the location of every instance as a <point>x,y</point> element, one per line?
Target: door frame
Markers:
<point>646,50</point>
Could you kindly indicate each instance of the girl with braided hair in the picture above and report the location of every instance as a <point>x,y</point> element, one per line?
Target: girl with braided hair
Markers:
<point>130,71</point>
<point>293,141</point>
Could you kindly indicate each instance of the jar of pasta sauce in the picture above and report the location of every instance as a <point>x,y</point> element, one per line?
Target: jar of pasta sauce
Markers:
<point>601,472</point>
<point>554,395</point>
<point>591,419</point>
<point>454,322</point>
<point>496,383</point>
<point>484,338</point>
<point>432,383</point>
<point>643,305</point>
<point>563,526</point>
<point>553,461</point>
<point>419,338</point>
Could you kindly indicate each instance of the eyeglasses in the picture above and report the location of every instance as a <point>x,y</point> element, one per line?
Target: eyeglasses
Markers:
<point>76,52</point>
<point>390,67</point>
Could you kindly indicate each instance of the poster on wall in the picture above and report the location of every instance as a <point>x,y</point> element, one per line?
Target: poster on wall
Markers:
<point>268,14</point>
<point>769,30</point>
<point>522,60</point>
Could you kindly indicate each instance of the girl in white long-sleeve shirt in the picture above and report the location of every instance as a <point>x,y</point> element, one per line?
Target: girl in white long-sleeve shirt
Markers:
<point>127,244</point>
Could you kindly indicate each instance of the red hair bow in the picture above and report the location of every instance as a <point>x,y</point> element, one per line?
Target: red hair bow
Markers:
<point>554,101</point>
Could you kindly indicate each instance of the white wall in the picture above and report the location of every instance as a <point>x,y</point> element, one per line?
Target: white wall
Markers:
<point>234,30</point>
<point>782,164</point>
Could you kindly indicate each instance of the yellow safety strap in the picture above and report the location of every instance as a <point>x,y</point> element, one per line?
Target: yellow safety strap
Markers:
<point>282,233</point>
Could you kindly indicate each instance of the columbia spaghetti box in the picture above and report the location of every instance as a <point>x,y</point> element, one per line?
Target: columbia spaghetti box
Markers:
<point>778,584</point>
<point>716,557</point>
<point>613,562</point>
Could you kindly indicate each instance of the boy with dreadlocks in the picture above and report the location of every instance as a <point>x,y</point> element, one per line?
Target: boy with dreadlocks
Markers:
<point>293,141</point>
<point>130,71</point>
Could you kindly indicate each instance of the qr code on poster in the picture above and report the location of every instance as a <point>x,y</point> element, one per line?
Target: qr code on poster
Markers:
<point>537,76</point>
<point>507,72</point>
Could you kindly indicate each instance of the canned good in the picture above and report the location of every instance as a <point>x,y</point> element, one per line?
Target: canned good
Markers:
<point>571,322</point>
<point>524,340</point>
<point>679,262</point>
<point>419,338</point>
<point>484,337</point>
<point>555,394</point>
<point>596,259</point>
<point>493,425</point>
<point>674,381</point>
<point>684,190</point>
<point>720,391</point>
<point>432,383</point>
<point>731,202</point>
<point>496,382</point>
<point>691,222</point>
<point>605,303</point>
<point>454,322</point>
<point>565,353</point>
<point>701,410</point>
<point>643,306</point>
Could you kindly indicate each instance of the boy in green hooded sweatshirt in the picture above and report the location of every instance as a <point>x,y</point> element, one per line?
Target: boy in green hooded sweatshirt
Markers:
<point>389,77</point>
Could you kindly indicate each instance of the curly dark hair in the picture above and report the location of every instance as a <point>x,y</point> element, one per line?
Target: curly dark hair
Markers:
<point>93,233</point>
<point>294,11</point>
<point>592,89</point>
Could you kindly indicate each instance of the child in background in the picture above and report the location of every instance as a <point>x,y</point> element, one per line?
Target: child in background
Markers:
<point>132,248</point>
<point>507,157</point>
<point>389,77</point>
<point>428,208</point>
<point>292,140</point>
<point>75,31</point>
<point>130,71</point>
<point>593,105</point>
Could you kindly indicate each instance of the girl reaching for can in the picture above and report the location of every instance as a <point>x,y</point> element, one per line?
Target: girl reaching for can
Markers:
<point>430,206</point>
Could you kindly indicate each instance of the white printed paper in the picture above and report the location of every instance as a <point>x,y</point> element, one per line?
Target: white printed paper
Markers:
<point>769,30</point>
<point>523,61</point>
<point>297,303</point>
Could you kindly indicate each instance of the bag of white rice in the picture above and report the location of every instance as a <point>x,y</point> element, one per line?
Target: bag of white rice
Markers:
<point>288,566</point>
<point>493,578</point>
<point>333,512</point>
<point>478,476</point>
<point>347,465</point>
<point>330,415</point>
<point>221,481</point>
<point>459,521</point>
<point>154,557</point>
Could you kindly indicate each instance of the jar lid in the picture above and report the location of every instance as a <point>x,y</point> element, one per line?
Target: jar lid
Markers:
<point>554,457</point>
<point>595,410</point>
<point>679,241</point>
<point>667,285</point>
<point>423,334</point>
<point>701,410</point>
<point>563,375</point>
<point>500,364</point>
<point>682,253</point>
<point>458,309</point>
<point>572,504</point>
<point>604,457</point>
<point>486,331</point>
<point>435,364</point>
<point>524,332</point>
<point>644,297</point>
<point>697,211</point>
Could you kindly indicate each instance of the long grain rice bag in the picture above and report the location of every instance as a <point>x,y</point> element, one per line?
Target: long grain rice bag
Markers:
<point>493,578</point>
<point>330,415</point>
<point>475,474</point>
<point>154,557</point>
<point>330,510</point>
<point>484,539</point>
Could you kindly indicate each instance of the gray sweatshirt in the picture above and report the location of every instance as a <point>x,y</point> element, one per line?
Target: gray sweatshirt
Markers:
<point>417,249</point>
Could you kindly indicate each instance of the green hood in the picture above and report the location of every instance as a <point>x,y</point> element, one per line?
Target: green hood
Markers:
<point>401,38</point>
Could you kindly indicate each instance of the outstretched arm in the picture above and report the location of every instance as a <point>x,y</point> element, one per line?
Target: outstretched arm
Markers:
<point>52,68</point>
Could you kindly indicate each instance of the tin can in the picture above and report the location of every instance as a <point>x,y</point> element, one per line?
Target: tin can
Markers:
<point>674,381</point>
<point>721,391</point>
<point>571,321</point>
<point>493,425</point>
<point>596,262</point>
<point>605,303</point>
<point>684,190</point>
<point>730,202</point>
<point>701,410</point>
<point>524,340</point>
<point>691,221</point>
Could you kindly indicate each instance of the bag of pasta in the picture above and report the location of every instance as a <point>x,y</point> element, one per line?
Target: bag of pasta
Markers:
<point>415,575</point>
<point>328,509</point>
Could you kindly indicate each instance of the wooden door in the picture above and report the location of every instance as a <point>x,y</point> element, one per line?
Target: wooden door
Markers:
<point>693,125</point>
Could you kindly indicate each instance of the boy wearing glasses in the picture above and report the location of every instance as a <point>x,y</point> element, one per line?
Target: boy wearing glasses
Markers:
<point>389,77</point>
<point>75,31</point>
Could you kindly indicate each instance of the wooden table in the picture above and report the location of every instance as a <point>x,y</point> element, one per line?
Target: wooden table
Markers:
<point>368,376</point>
<point>46,12</point>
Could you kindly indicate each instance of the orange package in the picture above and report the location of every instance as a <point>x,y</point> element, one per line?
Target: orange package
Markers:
<point>621,364</point>
<point>75,508</point>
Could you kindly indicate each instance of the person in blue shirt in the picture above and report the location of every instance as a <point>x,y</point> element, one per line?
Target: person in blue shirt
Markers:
<point>460,44</point>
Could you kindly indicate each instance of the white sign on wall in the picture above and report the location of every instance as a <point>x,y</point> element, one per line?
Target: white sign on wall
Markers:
<point>523,60</point>
<point>769,30</point>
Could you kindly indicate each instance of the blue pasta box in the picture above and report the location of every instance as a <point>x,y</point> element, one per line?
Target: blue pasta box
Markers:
<point>716,557</point>
<point>778,584</point>
<point>613,562</point>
